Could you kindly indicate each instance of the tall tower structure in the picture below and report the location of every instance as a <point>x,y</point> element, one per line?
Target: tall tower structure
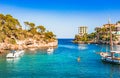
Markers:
<point>82,30</point>
<point>109,20</point>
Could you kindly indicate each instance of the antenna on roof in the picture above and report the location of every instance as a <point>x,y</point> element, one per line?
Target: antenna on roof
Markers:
<point>109,20</point>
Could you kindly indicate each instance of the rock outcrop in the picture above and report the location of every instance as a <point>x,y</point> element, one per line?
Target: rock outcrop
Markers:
<point>27,44</point>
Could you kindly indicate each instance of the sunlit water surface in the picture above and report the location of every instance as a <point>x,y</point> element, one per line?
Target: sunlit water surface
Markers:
<point>62,63</point>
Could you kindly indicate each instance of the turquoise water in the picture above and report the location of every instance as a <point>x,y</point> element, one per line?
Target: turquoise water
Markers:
<point>61,64</point>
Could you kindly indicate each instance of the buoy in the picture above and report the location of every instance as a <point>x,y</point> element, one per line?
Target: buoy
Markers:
<point>78,59</point>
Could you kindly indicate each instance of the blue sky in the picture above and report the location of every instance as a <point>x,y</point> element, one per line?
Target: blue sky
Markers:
<point>63,17</point>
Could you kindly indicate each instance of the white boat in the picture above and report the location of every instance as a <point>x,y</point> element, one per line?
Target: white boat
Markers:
<point>12,60</point>
<point>82,46</point>
<point>15,54</point>
<point>50,50</point>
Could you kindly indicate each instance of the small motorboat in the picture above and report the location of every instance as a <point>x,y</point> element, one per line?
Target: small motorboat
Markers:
<point>82,46</point>
<point>50,50</point>
<point>15,54</point>
<point>12,55</point>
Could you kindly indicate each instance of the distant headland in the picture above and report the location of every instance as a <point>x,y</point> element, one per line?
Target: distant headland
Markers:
<point>14,37</point>
<point>100,36</point>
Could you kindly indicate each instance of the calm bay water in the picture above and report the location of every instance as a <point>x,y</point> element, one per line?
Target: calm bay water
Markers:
<point>61,64</point>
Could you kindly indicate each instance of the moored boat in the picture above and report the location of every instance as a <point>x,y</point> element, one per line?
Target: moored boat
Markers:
<point>112,56</point>
<point>50,50</point>
<point>15,54</point>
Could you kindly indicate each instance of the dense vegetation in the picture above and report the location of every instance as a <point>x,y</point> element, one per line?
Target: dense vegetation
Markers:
<point>100,34</point>
<point>11,30</point>
<point>85,38</point>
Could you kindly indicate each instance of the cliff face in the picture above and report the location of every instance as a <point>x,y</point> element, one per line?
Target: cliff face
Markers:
<point>24,45</point>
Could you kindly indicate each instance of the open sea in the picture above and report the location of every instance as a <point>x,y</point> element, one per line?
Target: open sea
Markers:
<point>62,63</point>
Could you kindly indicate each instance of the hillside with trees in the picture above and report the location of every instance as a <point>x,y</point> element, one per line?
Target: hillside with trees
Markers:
<point>12,34</point>
<point>101,35</point>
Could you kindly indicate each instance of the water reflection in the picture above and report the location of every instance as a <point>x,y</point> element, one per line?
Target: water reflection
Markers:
<point>12,60</point>
<point>82,46</point>
<point>50,53</point>
<point>68,46</point>
<point>33,52</point>
<point>114,69</point>
<point>116,47</point>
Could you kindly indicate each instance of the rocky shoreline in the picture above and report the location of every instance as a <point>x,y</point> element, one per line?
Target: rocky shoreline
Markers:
<point>99,42</point>
<point>27,44</point>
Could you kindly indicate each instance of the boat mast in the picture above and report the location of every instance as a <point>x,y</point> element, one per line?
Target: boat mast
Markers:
<point>111,42</point>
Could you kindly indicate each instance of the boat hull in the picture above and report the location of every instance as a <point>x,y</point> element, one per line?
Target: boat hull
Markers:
<point>15,55</point>
<point>111,61</point>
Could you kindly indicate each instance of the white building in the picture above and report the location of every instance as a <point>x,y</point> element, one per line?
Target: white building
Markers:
<point>82,30</point>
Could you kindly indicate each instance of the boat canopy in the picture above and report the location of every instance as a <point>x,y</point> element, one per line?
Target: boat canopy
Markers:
<point>115,51</point>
